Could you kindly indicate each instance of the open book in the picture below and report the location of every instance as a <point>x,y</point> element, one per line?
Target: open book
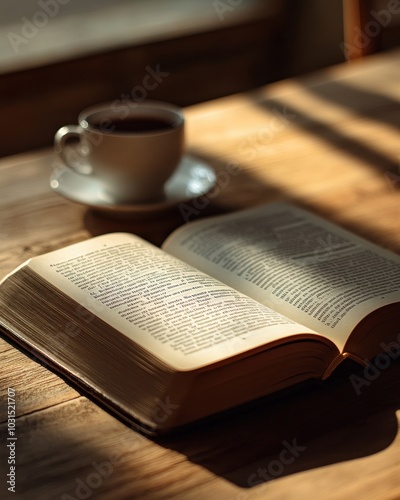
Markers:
<point>232,308</point>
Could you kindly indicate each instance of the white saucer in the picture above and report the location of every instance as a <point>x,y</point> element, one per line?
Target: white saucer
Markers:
<point>192,179</point>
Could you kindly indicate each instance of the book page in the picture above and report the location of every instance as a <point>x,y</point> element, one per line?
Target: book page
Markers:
<point>185,317</point>
<point>296,263</point>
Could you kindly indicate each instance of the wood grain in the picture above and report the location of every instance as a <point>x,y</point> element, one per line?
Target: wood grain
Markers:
<point>329,142</point>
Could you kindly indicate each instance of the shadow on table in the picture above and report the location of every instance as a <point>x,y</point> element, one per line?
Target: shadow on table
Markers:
<point>344,94</point>
<point>357,100</point>
<point>307,427</point>
<point>235,189</point>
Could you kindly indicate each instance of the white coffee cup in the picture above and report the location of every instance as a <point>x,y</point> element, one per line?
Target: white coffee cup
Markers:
<point>133,149</point>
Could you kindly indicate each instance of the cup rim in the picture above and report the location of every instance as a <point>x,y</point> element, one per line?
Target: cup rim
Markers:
<point>112,107</point>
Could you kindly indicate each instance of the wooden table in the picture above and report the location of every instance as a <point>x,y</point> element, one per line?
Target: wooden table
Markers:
<point>329,142</point>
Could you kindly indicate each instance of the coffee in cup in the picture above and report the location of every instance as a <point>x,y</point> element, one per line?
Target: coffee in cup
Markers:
<point>133,149</point>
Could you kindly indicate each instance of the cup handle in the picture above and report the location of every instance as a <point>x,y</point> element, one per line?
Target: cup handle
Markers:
<point>72,156</point>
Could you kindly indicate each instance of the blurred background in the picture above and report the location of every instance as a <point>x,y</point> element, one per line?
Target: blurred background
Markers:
<point>59,56</point>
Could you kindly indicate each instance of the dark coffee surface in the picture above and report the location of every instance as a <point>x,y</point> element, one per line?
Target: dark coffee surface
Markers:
<point>136,124</point>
